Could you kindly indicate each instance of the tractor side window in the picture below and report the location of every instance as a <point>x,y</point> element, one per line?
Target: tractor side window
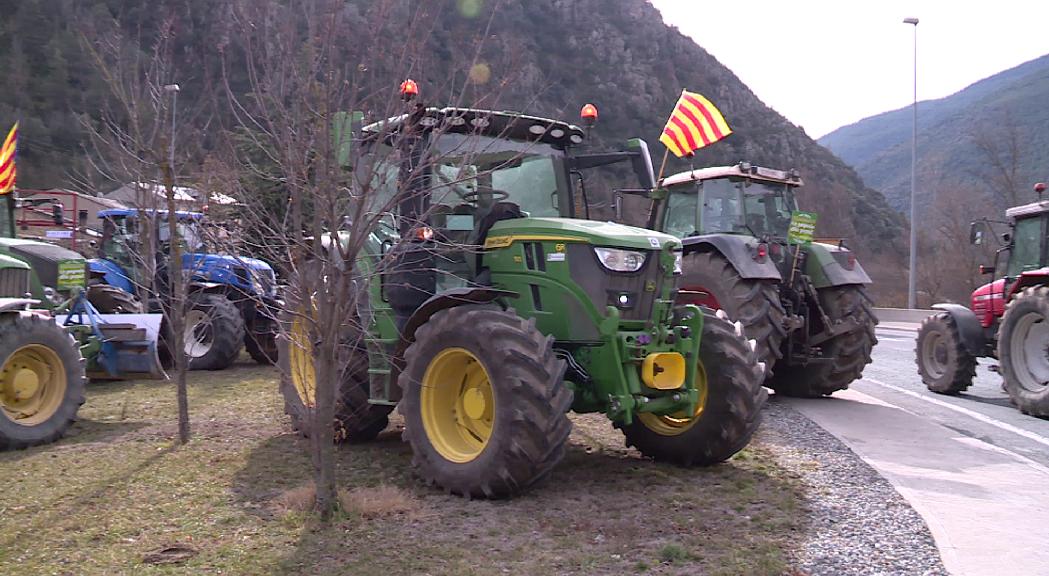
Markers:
<point>1027,246</point>
<point>768,211</point>
<point>721,211</point>
<point>681,212</point>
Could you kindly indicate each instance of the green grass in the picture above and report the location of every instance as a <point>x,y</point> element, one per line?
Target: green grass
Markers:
<point>118,489</point>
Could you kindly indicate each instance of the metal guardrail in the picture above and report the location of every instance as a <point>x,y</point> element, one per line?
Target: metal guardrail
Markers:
<point>904,315</point>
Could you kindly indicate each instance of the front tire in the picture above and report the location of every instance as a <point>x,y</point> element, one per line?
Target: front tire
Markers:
<point>846,354</point>
<point>214,332</point>
<point>1023,340</point>
<point>42,380</point>
<point>109,299</point>
<point>944,364</point>
<point>753,302</point>
<point>729,379</point>
<point>485,404</point>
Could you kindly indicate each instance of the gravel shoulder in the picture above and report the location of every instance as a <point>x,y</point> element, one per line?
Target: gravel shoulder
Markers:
<point>857,522</point>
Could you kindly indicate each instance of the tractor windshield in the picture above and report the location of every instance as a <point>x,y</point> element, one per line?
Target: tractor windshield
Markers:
<point>730,206</point>
<point>478,170</point>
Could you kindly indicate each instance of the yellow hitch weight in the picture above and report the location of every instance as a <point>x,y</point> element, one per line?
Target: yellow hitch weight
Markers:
<point>663,370</point>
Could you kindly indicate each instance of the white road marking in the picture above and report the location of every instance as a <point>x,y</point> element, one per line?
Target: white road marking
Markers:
<point>970,413</point>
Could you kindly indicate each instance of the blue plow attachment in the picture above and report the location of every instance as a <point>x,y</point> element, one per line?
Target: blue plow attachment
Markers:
<point>128,341</point>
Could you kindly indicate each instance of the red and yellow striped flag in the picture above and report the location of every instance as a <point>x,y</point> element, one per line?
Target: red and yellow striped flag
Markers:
<point>695,123</point>
<point>7,161</point>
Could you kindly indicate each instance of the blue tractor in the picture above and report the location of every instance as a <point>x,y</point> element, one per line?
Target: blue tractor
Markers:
<point>232,299</point>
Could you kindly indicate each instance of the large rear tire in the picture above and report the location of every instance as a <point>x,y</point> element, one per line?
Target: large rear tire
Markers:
<point>729,379</point>
<point>848,352</point>
<point>214,332</point>
<point>356,420</point>
<point>484,402</point>
<point>944,364</point>
<point>753,302</point>
<point>109,299</point>
<point>41,380</point>
<point>1023,350</point>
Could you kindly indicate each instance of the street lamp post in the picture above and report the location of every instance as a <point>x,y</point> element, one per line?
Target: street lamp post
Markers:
<point>912,267</point>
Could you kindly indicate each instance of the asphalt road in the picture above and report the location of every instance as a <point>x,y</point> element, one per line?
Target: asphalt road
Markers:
<point>973,466</point>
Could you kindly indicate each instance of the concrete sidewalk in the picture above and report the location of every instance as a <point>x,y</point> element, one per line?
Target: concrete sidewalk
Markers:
<point>987,508</point>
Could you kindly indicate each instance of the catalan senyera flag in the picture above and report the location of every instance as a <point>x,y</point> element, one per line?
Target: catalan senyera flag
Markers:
<point>7,161</point>
<point>694,123</point>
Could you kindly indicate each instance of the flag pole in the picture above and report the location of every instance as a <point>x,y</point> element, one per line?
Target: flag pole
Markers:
<point>666,152</point>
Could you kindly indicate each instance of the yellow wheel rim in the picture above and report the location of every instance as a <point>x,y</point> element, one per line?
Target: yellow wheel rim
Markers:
<point>679,422</point>
<point>32,384</point>
<point>300,362</point>
<point>457,405</point>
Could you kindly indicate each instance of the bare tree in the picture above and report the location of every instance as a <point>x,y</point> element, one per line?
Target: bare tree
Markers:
<point>296,136</point>
<point>999,146</point>
<point>131,144</point>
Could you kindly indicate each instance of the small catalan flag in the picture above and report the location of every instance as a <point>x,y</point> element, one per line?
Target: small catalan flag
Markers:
<point>7,161</point>
<point>695,123</point>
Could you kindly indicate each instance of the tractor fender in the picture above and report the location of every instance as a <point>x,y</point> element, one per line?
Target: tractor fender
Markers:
<point>969,329</point>
<point>738,251</point>
<point>448,299</point>
<point>828,265</point>
<point>16,304</point>
<point>111,274</point>
<point>436,303</point>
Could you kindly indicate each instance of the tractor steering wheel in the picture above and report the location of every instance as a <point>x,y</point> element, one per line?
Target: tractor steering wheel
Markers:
<point>474,195</point>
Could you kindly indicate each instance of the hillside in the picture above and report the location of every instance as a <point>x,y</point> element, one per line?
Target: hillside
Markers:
<point>958,138</point>
<point>619,55</point>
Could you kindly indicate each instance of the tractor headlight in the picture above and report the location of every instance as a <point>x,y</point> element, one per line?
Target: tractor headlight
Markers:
<point>677,262</point>
<point>620,260</point>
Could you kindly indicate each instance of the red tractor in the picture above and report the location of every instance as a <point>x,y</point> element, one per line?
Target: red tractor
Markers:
<point>1009,318</point>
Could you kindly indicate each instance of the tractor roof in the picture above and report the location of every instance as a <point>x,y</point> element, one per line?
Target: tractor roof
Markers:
<point>1028,209</point>
<point>502,124</point>
<point>741,170</point>
<point>182,214</point>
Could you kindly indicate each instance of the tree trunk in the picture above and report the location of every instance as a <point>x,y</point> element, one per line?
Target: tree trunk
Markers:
<point>177,306</point>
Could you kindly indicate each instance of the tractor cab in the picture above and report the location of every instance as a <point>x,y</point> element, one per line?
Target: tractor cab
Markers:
<point>741,199</point>
<point>1026,258</point>
<point>478,168</point>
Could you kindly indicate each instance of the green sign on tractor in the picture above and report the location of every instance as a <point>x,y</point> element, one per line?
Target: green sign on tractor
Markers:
<point>802,227</point>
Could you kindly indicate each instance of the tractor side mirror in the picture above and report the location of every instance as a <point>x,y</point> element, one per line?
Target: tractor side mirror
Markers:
<point>58,214</point>
<point>1007,238</point>
<point>976,233</point>
<point>617,206</point>
<point>553,200</point>
<point>641,161</point>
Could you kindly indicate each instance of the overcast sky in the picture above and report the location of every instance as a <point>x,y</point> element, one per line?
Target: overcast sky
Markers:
<point>826,63</point>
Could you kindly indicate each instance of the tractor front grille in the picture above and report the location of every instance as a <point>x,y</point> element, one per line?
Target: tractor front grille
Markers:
<point>605,287</point>
<point>14,282</point>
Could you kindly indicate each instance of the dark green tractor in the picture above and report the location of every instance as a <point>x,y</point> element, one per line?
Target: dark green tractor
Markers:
<point>516,311</point>
<point>805,304</point>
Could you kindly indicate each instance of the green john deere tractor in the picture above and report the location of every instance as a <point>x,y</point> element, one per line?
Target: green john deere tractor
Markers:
<point>44,362</point>
<point>805,304</point>
<point>516,311</point>
<point>41,367</point>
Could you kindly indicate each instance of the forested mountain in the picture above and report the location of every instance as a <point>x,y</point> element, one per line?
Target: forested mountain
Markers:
<point>986,143</point>
<point>550,55</point>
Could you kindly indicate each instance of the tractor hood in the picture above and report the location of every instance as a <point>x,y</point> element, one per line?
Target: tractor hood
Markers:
<point>207,261</point>
<point>505,232</point>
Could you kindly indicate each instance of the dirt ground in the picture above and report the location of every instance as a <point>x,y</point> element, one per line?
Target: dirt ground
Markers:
<point>117,496</point>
